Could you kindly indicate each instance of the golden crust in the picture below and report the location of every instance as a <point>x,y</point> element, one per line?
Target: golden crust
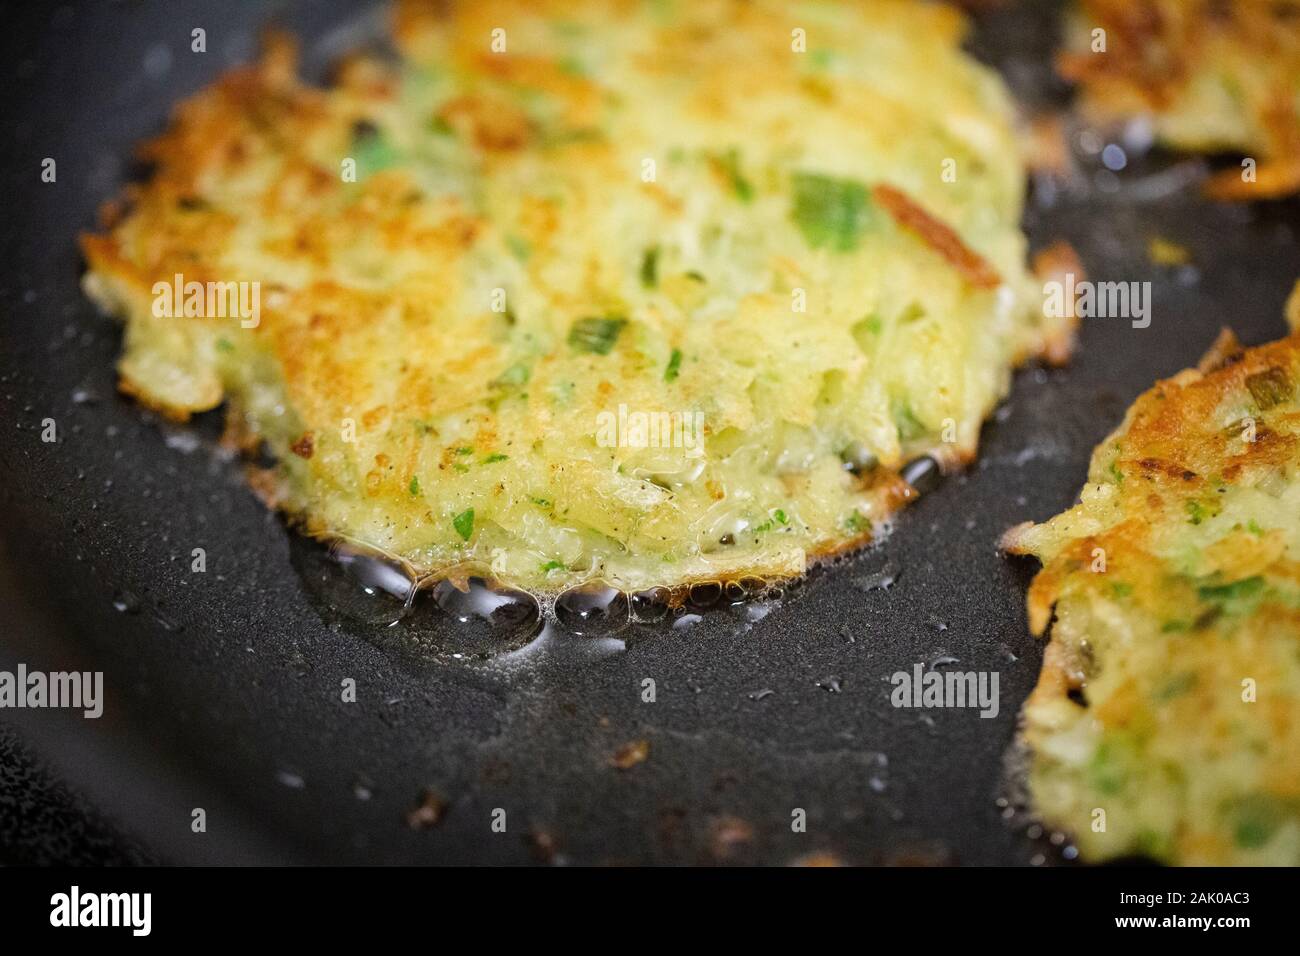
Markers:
<point>1168,708</point>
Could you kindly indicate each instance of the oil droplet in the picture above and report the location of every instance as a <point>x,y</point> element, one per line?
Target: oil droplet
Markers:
<point>166,623</point>
<point>470,616</point>
<point>878,779</point>
<point>922,474</point>
<point>593,610</point>
<point>479,601</point>
<point>881,580</point>
<point>361,586</point>
<point>704,595</point>
<point>651,605</point>
<point>858,458</point>
<point>127,602</point>
<point>480,620</point>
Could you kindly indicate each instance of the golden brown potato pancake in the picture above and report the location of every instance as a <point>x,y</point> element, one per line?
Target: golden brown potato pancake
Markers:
<point>1166,721</point>
<point>650,293</point>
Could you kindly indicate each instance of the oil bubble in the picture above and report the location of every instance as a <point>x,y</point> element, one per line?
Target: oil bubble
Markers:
<point>593,610</point>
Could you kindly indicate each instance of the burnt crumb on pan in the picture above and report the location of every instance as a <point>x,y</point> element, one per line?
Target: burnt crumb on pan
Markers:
<point>428,812</point>
<point>631,754</point>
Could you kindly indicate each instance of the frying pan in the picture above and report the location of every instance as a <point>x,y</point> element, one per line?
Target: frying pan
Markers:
<point>223,688</point>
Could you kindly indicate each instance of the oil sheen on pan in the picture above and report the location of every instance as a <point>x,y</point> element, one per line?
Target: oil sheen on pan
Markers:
<point>649,294</point>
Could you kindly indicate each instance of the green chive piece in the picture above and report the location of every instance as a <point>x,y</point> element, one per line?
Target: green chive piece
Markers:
<point>674,366</point>
<point>596,336</point>
<point>371,149</point>
<point>520,248</point>
<point>1246,587</point>
<point>1269,388</point>
<point>517,374</point>
<point>831,213</point>
<point>730,163</point>
<point>650,268</point>
<point>464,523</point>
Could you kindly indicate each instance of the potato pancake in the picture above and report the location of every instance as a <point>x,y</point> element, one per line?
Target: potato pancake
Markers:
<point>650,293</point>
<point>1213,76</point>
<point>1166,721</point>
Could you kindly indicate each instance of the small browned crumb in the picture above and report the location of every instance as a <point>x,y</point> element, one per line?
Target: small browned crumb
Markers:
<point>920,854</point>
<point>542,844</point>
<point>631,754</point>
<point>728,834</point>
<point>304,446</point>
<point>238,435</point>
<point>265,485</point>
<point>428,812</point>
<point>1046,147</point>
<point>821,858</point>
<point>1057,261</point>
<point>1054,264</point>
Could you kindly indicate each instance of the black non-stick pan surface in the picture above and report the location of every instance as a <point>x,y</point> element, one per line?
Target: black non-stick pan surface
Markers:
<point>223,689</point>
